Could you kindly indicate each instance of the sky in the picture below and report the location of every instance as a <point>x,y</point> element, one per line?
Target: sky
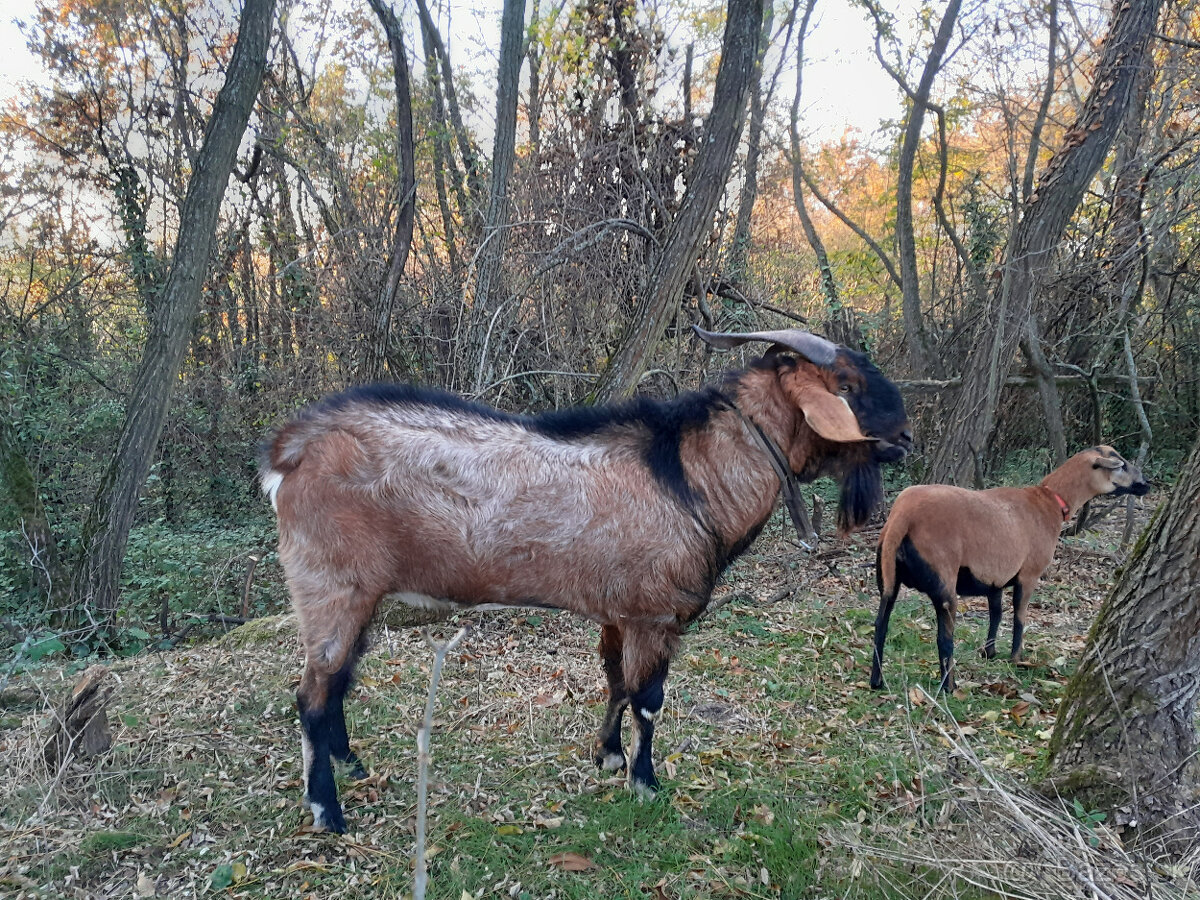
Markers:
<point>844,86</point>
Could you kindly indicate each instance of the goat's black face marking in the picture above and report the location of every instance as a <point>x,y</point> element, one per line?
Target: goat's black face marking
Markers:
<point>876,402</point>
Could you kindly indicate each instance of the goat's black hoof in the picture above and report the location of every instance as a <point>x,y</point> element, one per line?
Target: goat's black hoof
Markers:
<point>988,652</point>
<point>356,769</point>
<point>877,684</point>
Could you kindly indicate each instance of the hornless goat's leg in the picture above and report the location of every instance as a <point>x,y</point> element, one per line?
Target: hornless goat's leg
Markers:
<point>995,598</point>
<point>1021,592</point>
<point>882,618</point>
<point>944,604</point>
<point>610,755</point>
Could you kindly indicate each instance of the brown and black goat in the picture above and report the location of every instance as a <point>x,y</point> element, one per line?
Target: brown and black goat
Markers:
<point>947,541</point>
<point>625,515</point>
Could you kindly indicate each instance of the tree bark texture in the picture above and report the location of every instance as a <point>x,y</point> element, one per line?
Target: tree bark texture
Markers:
<point>1029,255</point>
<point>106,530</point>
<point>488,321</point>
<point>1126,730</point>
<point>406,188</point>
<point>705,185</point>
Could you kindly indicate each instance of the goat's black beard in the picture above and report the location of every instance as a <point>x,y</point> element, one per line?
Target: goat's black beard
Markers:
<point>862,493</point>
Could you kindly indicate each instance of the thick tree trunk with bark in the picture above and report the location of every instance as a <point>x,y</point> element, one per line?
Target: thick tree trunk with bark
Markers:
<point>1045,216</point>
<point>106,531</point>
<point>705,185</point>
<point>1126,730</point>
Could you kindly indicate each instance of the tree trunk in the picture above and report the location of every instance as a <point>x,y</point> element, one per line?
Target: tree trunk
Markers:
<point>705,185</point>
<point>106,531</point>
<point>466,148</point>
<point>1126,730</point>
<point>443,158</point>
<point>488,326</point>
<point>919,352</point>
<point>406,189</point>
<point>1045,217</point>
<point>739,248</point>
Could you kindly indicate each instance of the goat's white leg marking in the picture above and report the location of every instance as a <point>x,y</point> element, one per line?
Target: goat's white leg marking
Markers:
<point>306,753</point>
<point>650,714</point>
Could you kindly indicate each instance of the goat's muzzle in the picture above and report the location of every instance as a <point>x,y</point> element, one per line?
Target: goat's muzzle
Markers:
<point>889,451</point>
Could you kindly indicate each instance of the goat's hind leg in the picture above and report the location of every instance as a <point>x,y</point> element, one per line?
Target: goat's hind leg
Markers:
<point>945,605</point>
<point>995,599</point>
<point>882,618</point>
<point>339,738</point>
<point>610,755</point>
<point>331,653</point>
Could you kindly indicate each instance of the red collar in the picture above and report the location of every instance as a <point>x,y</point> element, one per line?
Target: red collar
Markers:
<point>1062,504</point>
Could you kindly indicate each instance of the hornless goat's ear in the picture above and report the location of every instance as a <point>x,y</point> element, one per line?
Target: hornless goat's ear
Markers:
<point>1107,462</point>
<point>829,416</point>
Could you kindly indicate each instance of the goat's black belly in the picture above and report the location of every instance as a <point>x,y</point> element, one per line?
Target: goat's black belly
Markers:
<point>913,571</point>
<point>970,586</point>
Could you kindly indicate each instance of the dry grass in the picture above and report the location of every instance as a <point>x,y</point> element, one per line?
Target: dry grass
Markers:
<point>785,776</point>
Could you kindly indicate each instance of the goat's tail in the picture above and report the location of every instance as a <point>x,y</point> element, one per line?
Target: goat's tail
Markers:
<point>885,557</point>
<point>280,455</point>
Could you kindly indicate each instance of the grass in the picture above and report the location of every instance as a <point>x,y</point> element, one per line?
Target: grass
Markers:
<point>784,776</point>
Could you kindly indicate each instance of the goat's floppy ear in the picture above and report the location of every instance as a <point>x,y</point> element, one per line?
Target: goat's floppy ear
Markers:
<point>1107,462</point>
<point>829,415</point>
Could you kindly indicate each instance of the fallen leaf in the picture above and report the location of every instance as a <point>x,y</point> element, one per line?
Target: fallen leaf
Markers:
<point>916,696</point>
<point>145,886</point>
<point>572,862</point>
<point>510,830</point>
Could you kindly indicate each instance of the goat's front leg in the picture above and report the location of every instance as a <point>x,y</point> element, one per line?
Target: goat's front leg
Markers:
<point>645,659</point>
<point>610,755</point>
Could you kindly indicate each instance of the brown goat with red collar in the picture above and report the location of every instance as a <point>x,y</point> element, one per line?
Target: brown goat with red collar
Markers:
<point>625,515</point>
<point>947,542</point>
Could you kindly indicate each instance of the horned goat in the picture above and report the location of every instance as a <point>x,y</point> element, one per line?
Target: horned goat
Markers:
<point>626,515</point>
<point>946,542</point>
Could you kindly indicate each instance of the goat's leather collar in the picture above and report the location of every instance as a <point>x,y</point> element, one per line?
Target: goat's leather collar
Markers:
<point>1062,505</point>
<point>788,482</point>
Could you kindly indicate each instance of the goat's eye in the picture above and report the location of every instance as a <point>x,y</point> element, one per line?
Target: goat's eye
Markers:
<point>845,388</point>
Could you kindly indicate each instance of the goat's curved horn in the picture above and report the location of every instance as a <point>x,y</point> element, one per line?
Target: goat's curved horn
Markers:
<point>813,348</point>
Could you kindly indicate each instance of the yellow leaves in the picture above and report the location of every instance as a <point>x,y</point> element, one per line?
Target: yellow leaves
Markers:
<point>509,830</point>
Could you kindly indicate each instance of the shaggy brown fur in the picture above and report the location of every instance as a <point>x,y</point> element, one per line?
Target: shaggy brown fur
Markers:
<point>625,516</point>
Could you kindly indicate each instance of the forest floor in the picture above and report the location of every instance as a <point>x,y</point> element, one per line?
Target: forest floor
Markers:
<point>784,775</point>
